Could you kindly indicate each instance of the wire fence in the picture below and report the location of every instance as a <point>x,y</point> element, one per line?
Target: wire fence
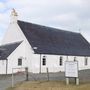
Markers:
<point>24,75</point>
<point>84,76</point>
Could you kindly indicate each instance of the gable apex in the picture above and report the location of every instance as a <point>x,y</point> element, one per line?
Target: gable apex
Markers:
<point>13,16</point>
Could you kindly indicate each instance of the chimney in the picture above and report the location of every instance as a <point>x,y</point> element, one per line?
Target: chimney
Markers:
<point>14,16</point>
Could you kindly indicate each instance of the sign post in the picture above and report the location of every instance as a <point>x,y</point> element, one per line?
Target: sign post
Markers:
<point>71,71</point>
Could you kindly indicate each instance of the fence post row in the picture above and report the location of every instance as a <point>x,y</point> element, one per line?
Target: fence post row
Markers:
<point>26,70</point>
<point>47,74</point>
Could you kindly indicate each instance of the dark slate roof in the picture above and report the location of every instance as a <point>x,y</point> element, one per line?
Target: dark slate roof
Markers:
<point>7,49</point>
<point>47,40</point>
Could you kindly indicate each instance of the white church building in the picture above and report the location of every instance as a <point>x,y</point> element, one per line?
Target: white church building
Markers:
<point>39,47</point>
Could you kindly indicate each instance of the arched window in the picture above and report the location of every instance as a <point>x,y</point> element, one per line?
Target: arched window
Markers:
<point>44,60</point>
<point>61,61</point>
<point>86,61</point>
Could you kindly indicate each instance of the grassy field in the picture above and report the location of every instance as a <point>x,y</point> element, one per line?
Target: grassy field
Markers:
<point>51,85</point>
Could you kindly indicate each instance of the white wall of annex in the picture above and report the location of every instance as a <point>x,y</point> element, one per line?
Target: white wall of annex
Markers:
<point>2,66</point>
<point>25,51</point>
<point>13,58</point>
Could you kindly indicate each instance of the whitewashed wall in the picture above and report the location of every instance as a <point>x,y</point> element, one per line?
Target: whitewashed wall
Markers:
<point>13,58</point>
<point>13,34</point>
<point>52,63</point>
<point>2,66</point>
<point>81,61</point>
<point>32,59</point>
<point>33,62</point>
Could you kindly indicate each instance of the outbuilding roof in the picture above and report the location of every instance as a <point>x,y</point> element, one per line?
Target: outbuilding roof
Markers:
<point>7,49</point>
<point>47,40</point>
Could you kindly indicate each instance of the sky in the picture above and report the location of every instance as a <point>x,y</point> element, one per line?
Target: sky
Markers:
<point>70,15</point>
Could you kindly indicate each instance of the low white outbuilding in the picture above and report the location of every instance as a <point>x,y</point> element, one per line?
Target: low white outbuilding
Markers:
<point>39,47</point>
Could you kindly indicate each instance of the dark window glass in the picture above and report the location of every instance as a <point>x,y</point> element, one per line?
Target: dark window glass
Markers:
<point>44,60</point>
<point>74,58</point>
<point>61,62</point>
<point>86,61</point>
<point>19,62</point>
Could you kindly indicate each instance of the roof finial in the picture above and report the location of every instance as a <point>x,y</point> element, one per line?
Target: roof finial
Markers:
<point>13,16</point>
<point>14,13</point>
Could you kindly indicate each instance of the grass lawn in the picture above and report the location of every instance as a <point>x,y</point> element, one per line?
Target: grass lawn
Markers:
<point>51,85</point>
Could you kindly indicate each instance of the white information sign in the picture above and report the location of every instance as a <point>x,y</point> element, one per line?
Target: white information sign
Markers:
<point>71,69</point>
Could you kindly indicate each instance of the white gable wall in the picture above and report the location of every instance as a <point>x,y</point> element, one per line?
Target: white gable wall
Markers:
<point>13,34</point>
<point>13,58</point>
<point>32,59</point>
<point>23,50</point>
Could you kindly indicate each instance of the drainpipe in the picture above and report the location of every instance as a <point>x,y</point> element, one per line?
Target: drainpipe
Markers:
<point>40,63</point>
<point>6,65</point>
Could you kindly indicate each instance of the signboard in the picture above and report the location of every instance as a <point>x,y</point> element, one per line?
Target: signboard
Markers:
<point>71,69</point>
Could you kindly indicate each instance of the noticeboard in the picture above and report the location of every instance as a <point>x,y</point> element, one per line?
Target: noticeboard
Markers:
<point>71,69</point>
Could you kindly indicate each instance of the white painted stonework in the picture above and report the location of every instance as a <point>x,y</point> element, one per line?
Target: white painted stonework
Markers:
<point>13,34</point>
<point>31,60</point>
<point>2,66</point>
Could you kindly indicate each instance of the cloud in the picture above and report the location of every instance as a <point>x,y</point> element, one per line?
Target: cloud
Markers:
<point>1,5</point>
<point>67,14</point>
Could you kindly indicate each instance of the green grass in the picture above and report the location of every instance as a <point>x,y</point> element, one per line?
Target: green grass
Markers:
<point>51,85</point>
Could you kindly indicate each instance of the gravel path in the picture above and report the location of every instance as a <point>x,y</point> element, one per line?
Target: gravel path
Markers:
<point>5,81</point>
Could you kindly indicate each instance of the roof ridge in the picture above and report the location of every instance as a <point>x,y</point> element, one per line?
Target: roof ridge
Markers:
<point>49,27</point>
<point>11,43</point>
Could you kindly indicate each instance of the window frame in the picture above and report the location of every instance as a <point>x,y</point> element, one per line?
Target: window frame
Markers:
<point>19,61</point>
<point>44,61</point>
<point>75,59</point>
<point>86,61</point>
<point>60,60</point>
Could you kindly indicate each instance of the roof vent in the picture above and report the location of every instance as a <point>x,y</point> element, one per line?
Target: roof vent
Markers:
<point>35,48</point>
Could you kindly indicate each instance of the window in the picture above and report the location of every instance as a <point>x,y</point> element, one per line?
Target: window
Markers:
<point>44,60</point>
<point>61,62</point>
<point>74,58</point>
<point>19,62</point>
<point>86,61</point>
